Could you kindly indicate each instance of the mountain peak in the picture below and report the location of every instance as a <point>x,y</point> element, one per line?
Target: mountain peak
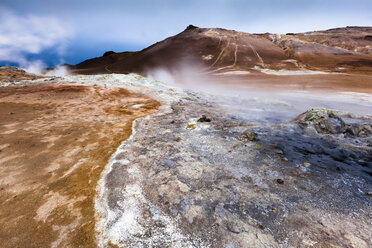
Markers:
<point>191,27</point>
<point>218,50</point>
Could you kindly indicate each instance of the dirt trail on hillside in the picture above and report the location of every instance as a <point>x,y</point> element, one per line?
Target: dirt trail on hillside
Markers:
<point>54,142</point>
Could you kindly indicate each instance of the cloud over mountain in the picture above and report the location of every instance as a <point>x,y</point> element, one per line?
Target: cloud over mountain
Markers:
<point>21,35</point>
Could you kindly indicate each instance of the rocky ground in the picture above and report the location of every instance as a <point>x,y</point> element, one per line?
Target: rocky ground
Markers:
<point>195,174</point>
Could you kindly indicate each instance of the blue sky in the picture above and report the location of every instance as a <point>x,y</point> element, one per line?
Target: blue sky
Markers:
<point>67,31</point>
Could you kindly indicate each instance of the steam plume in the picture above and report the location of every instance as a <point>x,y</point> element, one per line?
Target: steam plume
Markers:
<point>31,34</point>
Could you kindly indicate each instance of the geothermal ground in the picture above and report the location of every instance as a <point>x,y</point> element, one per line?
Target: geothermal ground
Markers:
<point>55,142</point>
<point>206,168</point>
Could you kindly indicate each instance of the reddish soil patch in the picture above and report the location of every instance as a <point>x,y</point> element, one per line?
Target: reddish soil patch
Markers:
<point>54,143</point>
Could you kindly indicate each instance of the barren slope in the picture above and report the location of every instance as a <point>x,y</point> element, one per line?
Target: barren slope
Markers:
<point>215,49</point>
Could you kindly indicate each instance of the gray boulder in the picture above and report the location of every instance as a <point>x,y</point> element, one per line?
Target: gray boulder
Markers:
<point>326,121</point>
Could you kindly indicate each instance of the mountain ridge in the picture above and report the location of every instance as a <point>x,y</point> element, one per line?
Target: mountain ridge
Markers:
<point>347,49</point>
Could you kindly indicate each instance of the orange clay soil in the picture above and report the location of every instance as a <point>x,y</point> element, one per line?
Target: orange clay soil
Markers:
<point>54,144</point>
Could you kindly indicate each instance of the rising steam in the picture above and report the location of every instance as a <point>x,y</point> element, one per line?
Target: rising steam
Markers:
<point>24,35</point>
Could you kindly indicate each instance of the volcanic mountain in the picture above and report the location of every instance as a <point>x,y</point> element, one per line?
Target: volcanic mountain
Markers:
<point>216,50</point>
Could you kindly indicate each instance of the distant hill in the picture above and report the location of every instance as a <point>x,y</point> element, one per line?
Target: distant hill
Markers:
<point>14,74</point>
<point>346,49</point>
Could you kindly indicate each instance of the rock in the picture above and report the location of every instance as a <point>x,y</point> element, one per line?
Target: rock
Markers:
<point>280,181</point>
<point>194,212</point>
<point>368,37</point>
<point>108,53</point>
<point>235,227</point>
<point>284,159</point>
<point>324,121</point>
<point>363,130</point>
<point>191,27</point>
<point>204,119</point>
<point>191,126</point>
<point>306,164</point>
<point>250,136</point>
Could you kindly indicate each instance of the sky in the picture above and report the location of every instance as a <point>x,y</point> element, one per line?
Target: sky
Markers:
<point>52,32</point>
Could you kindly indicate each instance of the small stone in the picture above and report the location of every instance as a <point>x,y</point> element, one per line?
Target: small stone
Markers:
<point>280,181</point>
<point>235,227</point>
<point>279,152</point>
<point>191,126</point>
<point>251,136</point>
<point>307,164</point>
<point>204,119</point>
<point>284,160</point>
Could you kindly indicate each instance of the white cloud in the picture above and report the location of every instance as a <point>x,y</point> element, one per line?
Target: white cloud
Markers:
<point>30,34</point>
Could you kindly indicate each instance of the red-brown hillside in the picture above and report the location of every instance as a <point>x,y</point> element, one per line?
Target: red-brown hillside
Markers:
<point>213,49</point>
